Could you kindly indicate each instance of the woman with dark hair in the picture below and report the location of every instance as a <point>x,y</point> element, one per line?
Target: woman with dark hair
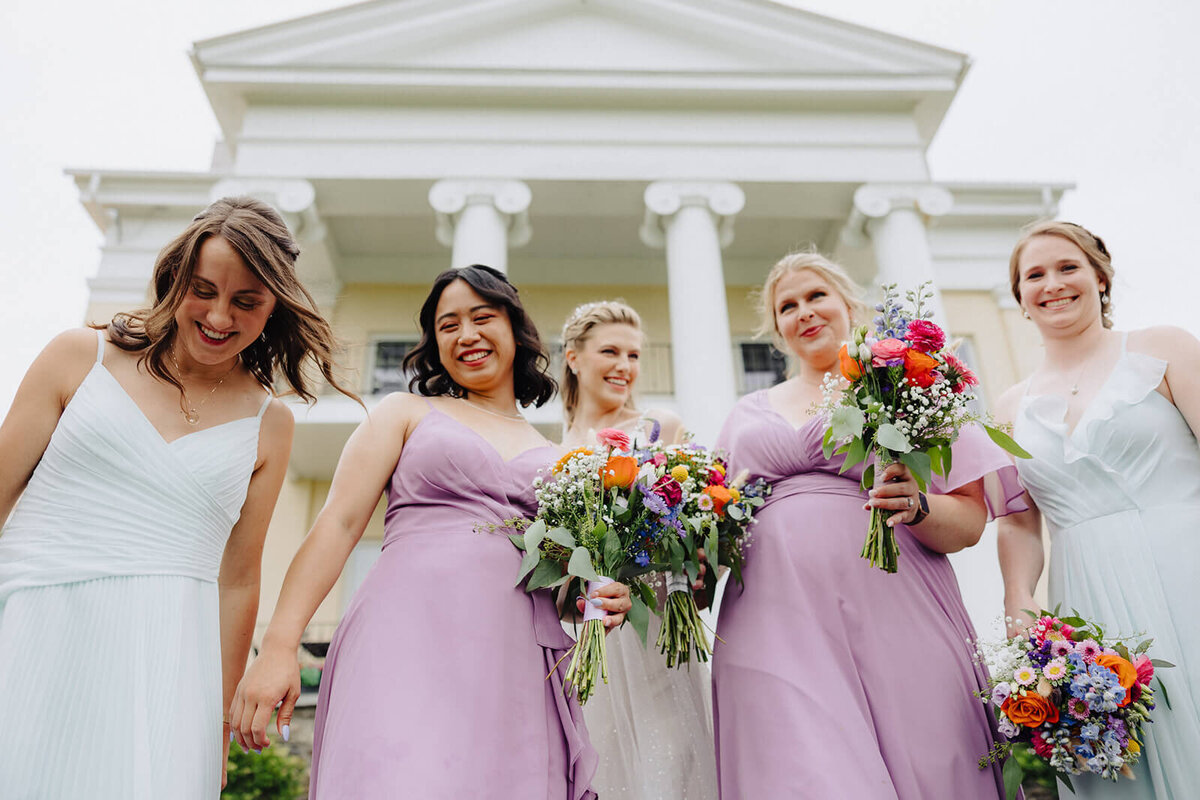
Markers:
<point>1111,419</point>
<point>148,455</point>
<point>443,679</point>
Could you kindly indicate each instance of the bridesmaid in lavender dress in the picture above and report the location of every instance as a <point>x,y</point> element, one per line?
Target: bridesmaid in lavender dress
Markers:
<point>435,684</point>
<point>830,678</point>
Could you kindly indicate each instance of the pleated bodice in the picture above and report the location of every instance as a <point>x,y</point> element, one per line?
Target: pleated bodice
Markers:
<point>111,497</point>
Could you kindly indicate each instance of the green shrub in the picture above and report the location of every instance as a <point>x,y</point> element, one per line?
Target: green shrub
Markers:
<point>273,775</point>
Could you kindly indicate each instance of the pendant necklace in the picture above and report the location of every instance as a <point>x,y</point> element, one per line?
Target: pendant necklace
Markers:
<point>191,414</point>
<point>487,410</point>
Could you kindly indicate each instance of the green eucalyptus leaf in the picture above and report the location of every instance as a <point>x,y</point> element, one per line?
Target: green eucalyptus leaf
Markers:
<point>846,421</point>
<point>889,436</point>
<point>581,566</point>
<point>561,536</point>
<point>528,562</point>
<point>612,548</point>
<point>534,534</point>
<point>856,453</point>
<point>518,539</point>
<point>947,459</point>
<point>546,573</point>
<point>735,512</point>
<point>868,478</point>
<point>935,461</point>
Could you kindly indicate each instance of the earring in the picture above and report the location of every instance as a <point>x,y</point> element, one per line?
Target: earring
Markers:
<point>1104,297</point>
<point>1025,314</point>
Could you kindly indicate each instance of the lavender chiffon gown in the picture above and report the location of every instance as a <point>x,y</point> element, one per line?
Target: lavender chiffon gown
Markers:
<point>833,679</point>
<point>435,683</point>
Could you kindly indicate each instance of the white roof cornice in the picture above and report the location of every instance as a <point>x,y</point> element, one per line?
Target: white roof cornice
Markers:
<point>743,52</point>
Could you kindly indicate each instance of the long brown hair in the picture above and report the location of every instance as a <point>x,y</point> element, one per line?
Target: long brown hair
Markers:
<point>295,332</point>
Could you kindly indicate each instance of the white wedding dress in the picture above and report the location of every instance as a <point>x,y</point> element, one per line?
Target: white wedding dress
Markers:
<point>651,725</point>
<point>110,652</point>
<point>1121,497</point>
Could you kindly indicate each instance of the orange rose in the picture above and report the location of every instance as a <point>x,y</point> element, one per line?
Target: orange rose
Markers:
<point>1126,674</point>
<point>1030,710</point>
<point>851,369</point>
<point>720,496</point>
<point>620,471</point>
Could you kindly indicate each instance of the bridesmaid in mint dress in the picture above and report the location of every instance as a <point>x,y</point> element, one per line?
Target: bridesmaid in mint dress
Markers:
<point>1110,419</point>
<point>436,680</point>
<point>150,454</point>
<point>830,678</point>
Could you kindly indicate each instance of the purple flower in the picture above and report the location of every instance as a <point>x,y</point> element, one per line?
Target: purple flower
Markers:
<point>1008,728</point>
<point>653,502</point>
<point>1000,693</point>
<point>642,559</point>
<point>655,432</point>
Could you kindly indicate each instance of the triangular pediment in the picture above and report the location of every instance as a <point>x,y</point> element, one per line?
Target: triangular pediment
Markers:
<point>754,37</point>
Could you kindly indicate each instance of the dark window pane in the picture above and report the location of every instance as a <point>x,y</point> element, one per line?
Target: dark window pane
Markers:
<point>388,374</point>
<point>762,366</point>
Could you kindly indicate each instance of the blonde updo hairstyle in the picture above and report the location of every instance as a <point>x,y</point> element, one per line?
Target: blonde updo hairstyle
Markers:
<point>576,331</point>
<point>833,274</point>
<point>1091,245</point>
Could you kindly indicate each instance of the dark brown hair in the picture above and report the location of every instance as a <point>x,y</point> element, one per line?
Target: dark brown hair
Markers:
<point>531,382</point>
<point>295,332</point>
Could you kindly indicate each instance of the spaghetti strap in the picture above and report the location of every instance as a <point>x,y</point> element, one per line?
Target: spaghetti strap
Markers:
<point>266,402</point>
<point>99,346</point>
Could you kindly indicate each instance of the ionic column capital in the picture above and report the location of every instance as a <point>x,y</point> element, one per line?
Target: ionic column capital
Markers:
<point>874,201</point>
<point>665,198</point>
<point>511,198</point>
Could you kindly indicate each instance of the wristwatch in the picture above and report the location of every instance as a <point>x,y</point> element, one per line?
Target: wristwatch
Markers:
<point>922,509</point>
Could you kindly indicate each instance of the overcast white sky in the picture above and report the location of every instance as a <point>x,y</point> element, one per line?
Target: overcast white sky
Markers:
<point>1103,93</point>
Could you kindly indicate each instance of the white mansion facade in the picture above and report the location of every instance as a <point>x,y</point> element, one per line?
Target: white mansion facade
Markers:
<point>661,151</point>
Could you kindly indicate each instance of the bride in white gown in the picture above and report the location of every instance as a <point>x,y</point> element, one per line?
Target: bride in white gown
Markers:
<point>1110,419</point>
<point>147,457</point>
<point>651,725</point>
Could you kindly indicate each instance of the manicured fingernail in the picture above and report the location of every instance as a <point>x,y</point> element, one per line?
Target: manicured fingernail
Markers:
<point>258,751</point>
<point>287,732</point>
<point>596,601</point>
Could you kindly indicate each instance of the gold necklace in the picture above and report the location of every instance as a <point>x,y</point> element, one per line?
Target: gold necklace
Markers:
<point>487,410</point>
<point>191,414</point>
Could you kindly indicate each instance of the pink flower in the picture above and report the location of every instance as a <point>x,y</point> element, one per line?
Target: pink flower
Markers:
<point>1145,669</point>
<point>659,459</point>
<point>925,336</point>
<point>614,438</point>
<point>1088,650</point>
<point>961,377</point>
<point>1077,707</point>
<point>1059,649</point>
<point>888,350</point>
<point>716,477</point>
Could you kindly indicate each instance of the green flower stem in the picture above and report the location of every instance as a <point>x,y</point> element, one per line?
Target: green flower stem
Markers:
<point>682,630</point>
<point>590,658</point>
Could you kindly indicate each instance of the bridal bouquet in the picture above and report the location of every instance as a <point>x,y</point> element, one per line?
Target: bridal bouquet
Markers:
<point>592,525</point>
<point>1075,700</point>
<point>708,516</point>
<point>907,399</point>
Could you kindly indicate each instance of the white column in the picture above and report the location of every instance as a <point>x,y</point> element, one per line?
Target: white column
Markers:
<point>480,219</point>
<point>296,202</point>
<point>894,217</point>
<point>693,221</point>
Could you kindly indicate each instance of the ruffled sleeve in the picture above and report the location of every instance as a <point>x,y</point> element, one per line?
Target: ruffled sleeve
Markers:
<point>976,456</point>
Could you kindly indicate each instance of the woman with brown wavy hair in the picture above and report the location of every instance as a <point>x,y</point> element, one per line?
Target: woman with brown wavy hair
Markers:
<point>147,455</point>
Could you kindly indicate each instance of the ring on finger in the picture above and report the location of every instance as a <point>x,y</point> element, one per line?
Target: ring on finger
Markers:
<point>909,499</point>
